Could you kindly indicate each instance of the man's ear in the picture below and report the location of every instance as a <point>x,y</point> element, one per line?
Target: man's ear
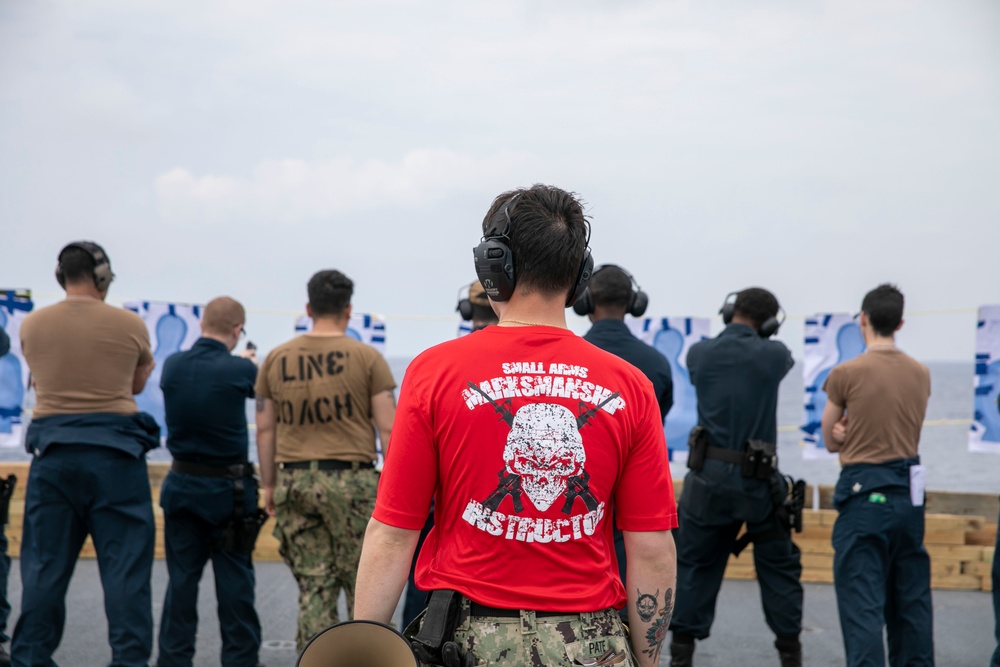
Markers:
<point>309,312</point>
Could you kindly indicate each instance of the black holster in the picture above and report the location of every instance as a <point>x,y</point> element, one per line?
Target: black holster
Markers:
<point>239,535</point>
<point>433,643</point>
<point>789,498</point>
<point>697,446</point>
<point>795,502</point>
<point>6,493</point>
<point>760,459</point>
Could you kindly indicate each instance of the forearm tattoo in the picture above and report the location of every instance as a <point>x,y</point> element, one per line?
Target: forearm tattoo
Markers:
<point>260,403</point>
<point>657,632</point>
<point>646,604</point>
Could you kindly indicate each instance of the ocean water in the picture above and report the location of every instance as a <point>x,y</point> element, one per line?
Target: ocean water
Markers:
<point>943,448</point>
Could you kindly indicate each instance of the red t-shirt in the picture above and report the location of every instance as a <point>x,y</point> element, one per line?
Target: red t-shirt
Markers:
<point>527,438</point>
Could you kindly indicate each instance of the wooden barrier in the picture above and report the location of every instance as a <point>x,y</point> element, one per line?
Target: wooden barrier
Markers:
<point>960,541</point>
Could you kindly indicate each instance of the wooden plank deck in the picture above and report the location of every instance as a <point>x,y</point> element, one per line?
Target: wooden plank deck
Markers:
<point>960,534</point>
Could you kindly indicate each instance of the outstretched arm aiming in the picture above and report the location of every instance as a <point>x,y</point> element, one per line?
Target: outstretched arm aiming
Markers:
<point>652,576</point>
<point>386,554</point>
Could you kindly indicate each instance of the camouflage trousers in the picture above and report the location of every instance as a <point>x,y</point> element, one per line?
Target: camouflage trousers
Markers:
<point>321,516</point>
<point>547,641</point>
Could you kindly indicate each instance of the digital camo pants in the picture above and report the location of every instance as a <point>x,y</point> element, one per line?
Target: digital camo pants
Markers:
<point>548,641</point>
<point>321,520</point>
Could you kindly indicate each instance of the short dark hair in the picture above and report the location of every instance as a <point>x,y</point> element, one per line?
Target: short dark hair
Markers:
<point>884,308</point>
<point>548,236</point>
<point>330,293</point>
<point>77,265</point>
<point>756,304</point>
<point>611,286</point>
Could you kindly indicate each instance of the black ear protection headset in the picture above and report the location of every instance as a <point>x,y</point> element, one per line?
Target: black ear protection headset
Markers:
<point>464,304</point>
<point>769,327</point>
<point>495,262</point>
<point>638,300</point>
<point>102,265</point>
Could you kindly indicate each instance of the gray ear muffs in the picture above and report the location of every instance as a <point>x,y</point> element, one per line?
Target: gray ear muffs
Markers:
<point>464,307</point>
<point>772,324</point>
<point>492,257</point>
<point>102,265</point>
<point>766,330</point>
<point>728,307</point>
<point>637,303</point>
<point>495,263</point>
<point>582,278</point>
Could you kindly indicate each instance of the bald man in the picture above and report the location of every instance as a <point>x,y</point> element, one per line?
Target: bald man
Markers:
<point>209,498</point>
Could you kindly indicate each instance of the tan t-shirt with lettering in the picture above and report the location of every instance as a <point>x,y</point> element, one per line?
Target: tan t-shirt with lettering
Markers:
<point>884,392</point>
<point>322,388</point>
<point>83,354</point>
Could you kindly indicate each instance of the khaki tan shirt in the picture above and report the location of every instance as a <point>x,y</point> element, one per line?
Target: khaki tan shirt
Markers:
<point>83,354</point>
<point>322,388</point>
<point>885,394</point>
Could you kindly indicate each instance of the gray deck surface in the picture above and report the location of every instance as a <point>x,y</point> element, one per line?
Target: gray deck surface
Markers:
<point>963,622</point>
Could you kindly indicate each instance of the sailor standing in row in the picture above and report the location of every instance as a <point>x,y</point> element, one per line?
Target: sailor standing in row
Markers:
<point>209,497</point>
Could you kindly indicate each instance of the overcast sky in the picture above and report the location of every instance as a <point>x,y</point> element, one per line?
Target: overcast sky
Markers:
<point>814,148</point>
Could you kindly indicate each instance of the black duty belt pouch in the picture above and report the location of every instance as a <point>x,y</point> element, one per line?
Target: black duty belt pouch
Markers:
<point>6,492</point>
<point>697,445</point>
<point>759,460</point>
<point>440,621</point>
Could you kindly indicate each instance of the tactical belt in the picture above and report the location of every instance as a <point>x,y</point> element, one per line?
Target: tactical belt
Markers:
<point>234,471</point>
<point>325,464</point>
<point>476,609</point>
<point>723,454</point>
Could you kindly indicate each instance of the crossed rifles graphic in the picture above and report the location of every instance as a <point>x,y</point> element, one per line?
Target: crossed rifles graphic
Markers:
<point>510,484</point>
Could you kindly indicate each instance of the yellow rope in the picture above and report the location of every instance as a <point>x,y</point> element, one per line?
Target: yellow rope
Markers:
<point>51,296</point>
<point>930,422</point>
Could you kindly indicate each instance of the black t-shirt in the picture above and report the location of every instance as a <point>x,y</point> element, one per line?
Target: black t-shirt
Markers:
<point>4,342</point>
<point>204,394</point>
<point>614,336</point>
<point>736,377</point>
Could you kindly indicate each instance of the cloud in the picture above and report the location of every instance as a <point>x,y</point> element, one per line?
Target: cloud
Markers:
<point>292,190</point>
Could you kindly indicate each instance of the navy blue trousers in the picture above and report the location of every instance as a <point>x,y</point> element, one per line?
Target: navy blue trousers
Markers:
<point>702,553</point>
<point>73,491</point>
<point>195,511</point>
<point>882,578</point>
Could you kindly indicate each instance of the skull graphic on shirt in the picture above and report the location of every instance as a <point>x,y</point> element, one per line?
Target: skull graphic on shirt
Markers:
<point>545,449</point>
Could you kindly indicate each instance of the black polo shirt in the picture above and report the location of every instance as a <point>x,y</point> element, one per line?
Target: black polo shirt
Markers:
<point>204,393</point>
<point>736,377</point>
<point>614,336</point>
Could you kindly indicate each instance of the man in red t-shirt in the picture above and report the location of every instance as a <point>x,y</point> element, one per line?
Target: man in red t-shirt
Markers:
<point>527,437</point>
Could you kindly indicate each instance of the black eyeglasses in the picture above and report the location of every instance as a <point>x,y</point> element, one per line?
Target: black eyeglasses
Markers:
<point>243,332</point>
